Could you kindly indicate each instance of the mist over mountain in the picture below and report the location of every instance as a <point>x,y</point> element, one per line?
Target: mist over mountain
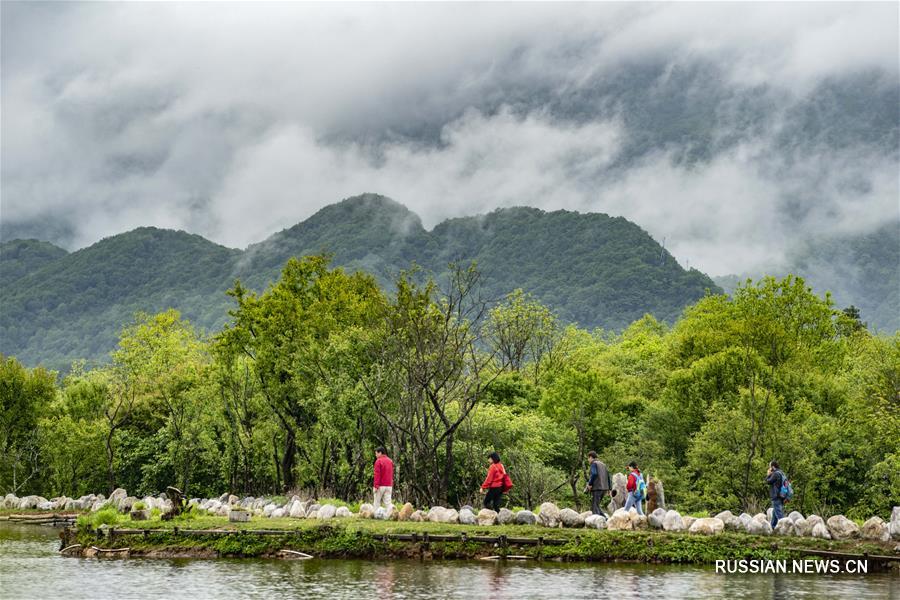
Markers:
<point>732,131</point>
<point>592,269</point>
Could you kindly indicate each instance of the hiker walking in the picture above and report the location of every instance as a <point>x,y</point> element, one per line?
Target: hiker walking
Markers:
<point>636,487</point>
<point>383,485</point>
<point>495,484</point>
<point>775,479</point>
<point>599,483</point>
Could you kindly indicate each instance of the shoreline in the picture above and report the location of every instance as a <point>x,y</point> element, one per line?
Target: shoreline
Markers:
<point>375,541</point>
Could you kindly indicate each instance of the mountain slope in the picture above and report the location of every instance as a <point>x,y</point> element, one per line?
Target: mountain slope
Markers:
<point>591,268</point>
<point>21,257</point>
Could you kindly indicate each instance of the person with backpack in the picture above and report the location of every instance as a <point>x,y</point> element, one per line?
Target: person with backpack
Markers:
<point>599,483</point>
<point>779,489</point>
<point>636,488</point>
<point>495,484</point>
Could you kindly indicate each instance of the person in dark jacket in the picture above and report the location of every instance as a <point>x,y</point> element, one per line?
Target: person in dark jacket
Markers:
<point>775,479</point>
<point>599,483</point>
<point>493,483</point>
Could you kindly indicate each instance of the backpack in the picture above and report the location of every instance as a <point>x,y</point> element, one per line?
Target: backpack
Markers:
<point>787,490</point>
<point>640,487</point>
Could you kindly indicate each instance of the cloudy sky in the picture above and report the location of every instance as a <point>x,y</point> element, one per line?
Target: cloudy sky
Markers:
<point>727,129</point>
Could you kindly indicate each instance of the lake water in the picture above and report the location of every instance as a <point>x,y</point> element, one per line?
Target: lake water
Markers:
<point>30,567</point>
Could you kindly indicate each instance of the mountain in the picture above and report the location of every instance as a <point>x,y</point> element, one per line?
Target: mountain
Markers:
<point>862,269</point>
<point>593,269</point>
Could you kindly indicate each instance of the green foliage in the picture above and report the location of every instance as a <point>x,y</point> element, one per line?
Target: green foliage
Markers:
<point>311,375</point>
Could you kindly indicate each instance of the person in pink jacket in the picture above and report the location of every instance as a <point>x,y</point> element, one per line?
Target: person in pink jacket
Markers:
<point>383,485</point>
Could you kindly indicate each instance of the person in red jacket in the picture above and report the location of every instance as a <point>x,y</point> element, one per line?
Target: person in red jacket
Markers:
<point>493,483</point>
<point>383,485</point>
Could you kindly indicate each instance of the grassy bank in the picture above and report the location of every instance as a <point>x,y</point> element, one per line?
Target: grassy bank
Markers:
<point>354,538</point>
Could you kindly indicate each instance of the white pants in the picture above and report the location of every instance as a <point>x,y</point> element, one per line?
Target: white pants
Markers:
<point>383,494</point>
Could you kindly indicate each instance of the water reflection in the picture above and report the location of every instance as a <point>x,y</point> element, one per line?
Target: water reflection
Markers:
<point>30,567</point>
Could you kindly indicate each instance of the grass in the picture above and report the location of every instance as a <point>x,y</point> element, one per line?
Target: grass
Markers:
<point>358,538</point>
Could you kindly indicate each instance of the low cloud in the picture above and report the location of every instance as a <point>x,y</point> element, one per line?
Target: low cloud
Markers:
<point>237,120</point>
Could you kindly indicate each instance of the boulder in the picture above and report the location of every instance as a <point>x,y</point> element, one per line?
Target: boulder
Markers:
<point>688,521</point>
<point>655,519</point>
<point>343,512</point>
<point>795,516</point>
<point>467,517</point>
<point>417,517</point>
<point>672,521</point>
<point>268,509</point>
<point>815,519</point>
<point>549,515</point>
<point>525,517</point>
<point>505,516</point>
<point>732,523</point>
<point>785,526</point>
<point>405,512</point>
<point>435,514</point>
<point>708,526</point>
<point>762,518</point>
<point>117,496</point>
<point>45,505</point>
<point>595,522</point>
<point>486,517</point>
<point>297,510</point>
<point>637,521</point>
<point>802,527</point>
<point>126,503</point>
<point>450,516</point>
<point>570,518</point>
<point>232,500</point>
<point>366,511</point>
<point>656,496</point>
<point>894,527</point>
<point>276,514</point>
<point>819,530</point>
<point>620,521</point>
<point>745,519</point>
<point>842,528</point>
<point>30,502</point>
<point>769,512</point>
<point>327,511</point>
<point>10,501</point>
<point>759,527</point>
<point>223,499</point>
<point>876,529</point>
<point>313,513</point>
<point>618,493</point>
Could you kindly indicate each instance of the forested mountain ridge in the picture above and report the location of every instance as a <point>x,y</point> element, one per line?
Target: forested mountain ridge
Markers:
<point>592,269</point>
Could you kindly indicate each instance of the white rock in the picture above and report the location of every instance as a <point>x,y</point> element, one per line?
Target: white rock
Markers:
<point>795,516</point>
<point>620,521</point>
<point>326,511</point>
<point>417,517</point>
<point>842,528</point>
<point>785,526</point>
<point>708,526</point>
<point>802,527</point>
<point>820,531</point>
<point>549,515</point>
<point>876,529</point>
<point>505,516</point>
<point>467,517</point>
<point>595,522</point>
<point>895,523</point>
<point>366,511</point>
<point>525,517</point>
<point>688,521</point>
<point>276,514</point>
<point>570,518</point>
<point>450,516</point>
<point>656,518</point>
<point>485,517</point>
<point>268,509</point>
<point>435,514</point>
<point>297,511</point>
<point>672,521</point>
<point>759,527</point>
<point>343,513</point>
